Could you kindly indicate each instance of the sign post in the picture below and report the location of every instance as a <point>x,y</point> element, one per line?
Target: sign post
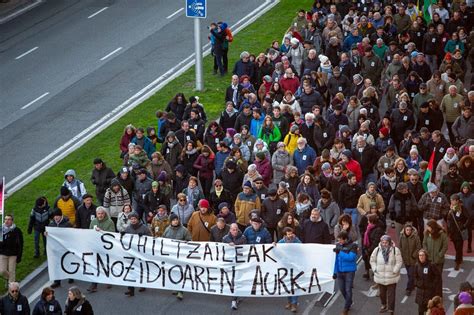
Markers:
<point>2,205</point>
<point>197,9</point>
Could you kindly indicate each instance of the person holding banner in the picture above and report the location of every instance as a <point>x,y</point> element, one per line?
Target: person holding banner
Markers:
<point>60,221</point>
<point>290,238</point>
<point>201,222</point>
<point>234,237</point>
<point>101,222</point>
<point>177,231</point>
<point>136,227</point>
<point>345,267</point>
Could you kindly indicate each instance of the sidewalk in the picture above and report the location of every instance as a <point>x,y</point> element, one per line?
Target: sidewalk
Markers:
<point>9,9</point>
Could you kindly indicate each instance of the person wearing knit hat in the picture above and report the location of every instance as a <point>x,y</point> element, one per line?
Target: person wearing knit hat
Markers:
<point>347,153</point>
<point>201,222</point>
<point>245,202</point>
<point>383,132</point>
<point>466,307</point>
<point>154,184</point>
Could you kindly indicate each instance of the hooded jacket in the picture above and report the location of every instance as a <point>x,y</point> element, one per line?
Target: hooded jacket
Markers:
<point>40,214</point>
<point>114,201</point>
<point>409,246</point>
<point>76,187</point>
<point>386,273</point>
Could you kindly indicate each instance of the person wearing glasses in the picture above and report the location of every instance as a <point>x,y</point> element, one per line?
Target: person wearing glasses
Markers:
<point>11,249</point>
<point>14,302</point>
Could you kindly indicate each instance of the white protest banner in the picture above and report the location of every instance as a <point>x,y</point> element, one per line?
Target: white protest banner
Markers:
<point>201,267</point>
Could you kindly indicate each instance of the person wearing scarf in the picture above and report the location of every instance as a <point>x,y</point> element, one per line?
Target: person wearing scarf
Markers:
<point>11,248</point>
<point>386,262</point>
<point>442,169</point>
<point>402,207</point>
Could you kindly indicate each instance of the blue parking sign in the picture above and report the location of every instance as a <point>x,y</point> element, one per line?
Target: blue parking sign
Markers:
<point>196,8</point>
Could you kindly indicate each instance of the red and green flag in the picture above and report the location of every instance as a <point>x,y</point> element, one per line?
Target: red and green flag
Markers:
<point>429,171</point>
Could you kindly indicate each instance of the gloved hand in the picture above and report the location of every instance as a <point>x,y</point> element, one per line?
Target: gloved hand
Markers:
<point>334,276</point>
<point>336,250</point>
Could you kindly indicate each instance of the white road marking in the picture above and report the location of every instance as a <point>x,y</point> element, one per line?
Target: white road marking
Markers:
<point>171,15</point>
<point>453,273</point>
<point>110,54</point>
<point>26,53</point>
<point>405,298</point>
<point>77,141</point>
<point>35,100</point>
<point>98,12</point>
<point>33,297</point>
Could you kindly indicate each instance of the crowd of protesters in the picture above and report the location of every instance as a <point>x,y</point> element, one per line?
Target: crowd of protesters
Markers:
<point>358,122</point>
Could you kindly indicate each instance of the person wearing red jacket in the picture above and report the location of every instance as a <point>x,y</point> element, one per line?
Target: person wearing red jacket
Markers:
<point>352,165</point>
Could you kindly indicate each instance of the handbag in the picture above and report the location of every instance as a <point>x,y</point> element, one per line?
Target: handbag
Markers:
<point>464,232</point>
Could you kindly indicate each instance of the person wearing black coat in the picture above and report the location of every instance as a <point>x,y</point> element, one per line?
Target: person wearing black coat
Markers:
<point>402,120</point>
<point>426,276</point>
<point>85,213</point>
<point>243,119</point>
<point>47,305</point>
<point>439,145</point>
<point>218,195</point>
<point>233,91</point>
<point>185,134</point>
<point>101,178</point>
<point>153,199</point>
<point>126,180</point>
<point>180,179</point>
<point>228,117</point>
<point>39,219</point>
<point>14,303</point>
<point>170,124</point>
<point>324,134</point>
<point>458,220</point>
<point>370,237</point>
<point>315,230</point>
<point>307,130</point>
<point>232,178</point>
<point>309,98</point>
<point>11,249</point>
<point>219,230</point>
<point>367,157</point>
<point>76,303</point>
<point>176,106</point>
<point>273,209</point>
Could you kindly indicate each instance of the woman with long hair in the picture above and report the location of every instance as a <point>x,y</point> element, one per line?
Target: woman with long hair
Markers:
<point>188,156</point>
<point>76,303</point>
<point>435,242</point>
<point>177,105</point>
<point>269,133</point>
<point>214,134</point>
<point>344,223</point>
<point>426,275</point>
<point>205,166</point>
<point>288,220</point>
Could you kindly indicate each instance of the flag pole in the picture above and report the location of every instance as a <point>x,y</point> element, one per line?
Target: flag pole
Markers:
<point>2,205</point>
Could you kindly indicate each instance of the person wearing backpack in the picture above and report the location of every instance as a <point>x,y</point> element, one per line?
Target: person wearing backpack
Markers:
<point>386,262</point>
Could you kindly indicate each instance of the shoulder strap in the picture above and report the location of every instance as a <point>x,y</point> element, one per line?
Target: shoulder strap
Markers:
<point>203,223</point>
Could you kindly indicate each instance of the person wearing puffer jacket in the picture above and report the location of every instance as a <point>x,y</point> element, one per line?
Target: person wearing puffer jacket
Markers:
<point>280,160</point>
<point>386,262</point>
<point>75,185</point>
<point>402,207</point>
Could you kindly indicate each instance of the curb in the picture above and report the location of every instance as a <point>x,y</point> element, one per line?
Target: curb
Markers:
<point>20,10</point>
<point>32,277</point>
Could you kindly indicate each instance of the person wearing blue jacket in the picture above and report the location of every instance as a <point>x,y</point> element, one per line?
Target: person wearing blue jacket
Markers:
<point>303,156</point>
<point>256,233</point>
<point>144,142</point>
<point>290,238</point>
<point>256,122</point>
<point>345,267</point>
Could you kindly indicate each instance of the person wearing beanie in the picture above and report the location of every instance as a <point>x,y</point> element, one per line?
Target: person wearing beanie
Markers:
<point>60,221</point>
<point>264,168</point>
<point>449,158</point>
<point>463,287</point>
<point>351,165</point>
<point>466,307</point>
<point>67,203</point>
<point>371,196</point>
<point>171,149</point>
<point>245,202</point>
<point>260,146</point>
<point>39,219</point>
<point>176,231</point>
<point>291,139</point>
<point>383,141</point>
<point>386,261</point>
<point>201,222</point>
<point>225,213</point>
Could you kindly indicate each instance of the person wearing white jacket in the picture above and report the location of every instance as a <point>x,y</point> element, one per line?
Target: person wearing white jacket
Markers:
<point>386,262</point>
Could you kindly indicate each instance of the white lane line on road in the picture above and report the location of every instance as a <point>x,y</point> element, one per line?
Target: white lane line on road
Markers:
<point>171,15</point>
<point>98,12</point>
<point>405,298</point>
<point>26,53</point>
<point>77,141</point>
<point>35,100</point>
<point>110,54</point>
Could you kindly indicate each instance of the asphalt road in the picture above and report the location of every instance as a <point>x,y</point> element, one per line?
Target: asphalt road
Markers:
<point>66,64</point>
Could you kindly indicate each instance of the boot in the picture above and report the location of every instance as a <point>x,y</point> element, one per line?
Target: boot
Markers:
<point>294,308</point>
<point>129,293</point>
<point>92,288</point>
<point>288,306</point>
<point>345,312</point>
<point>179,295</point>
<point>366,275</point>
<point>457,266</point>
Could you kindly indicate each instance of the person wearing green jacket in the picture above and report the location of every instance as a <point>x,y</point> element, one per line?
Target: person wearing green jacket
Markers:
<point>435,242</point>
<point>101,223</point>
<point>269,133</point>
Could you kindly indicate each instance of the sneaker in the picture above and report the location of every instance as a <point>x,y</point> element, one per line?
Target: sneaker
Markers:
<point>234,305</point>
<point>366,276</point>
<point>179,296</point>
<point>288,305</point>
<point>383,309</point>
<point>293,308</point>
<point>141,290</point>
<point>129,293</point>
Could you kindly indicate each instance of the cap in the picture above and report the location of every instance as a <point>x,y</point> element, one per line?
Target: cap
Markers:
<point>248,184</point>
<point>272,192</point>
<point>123,170</point>
<point>223,205</point>
<point>294,41</point>
<point>347,153</point>
<point>154,184</point>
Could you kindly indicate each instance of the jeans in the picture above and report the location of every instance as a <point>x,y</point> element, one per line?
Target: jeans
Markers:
<point>293,299</point>
<point>39,234</point>
<point>218,62</point>
<point>411,277</point>
<point>344,282</point>
<point>354,215</point>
